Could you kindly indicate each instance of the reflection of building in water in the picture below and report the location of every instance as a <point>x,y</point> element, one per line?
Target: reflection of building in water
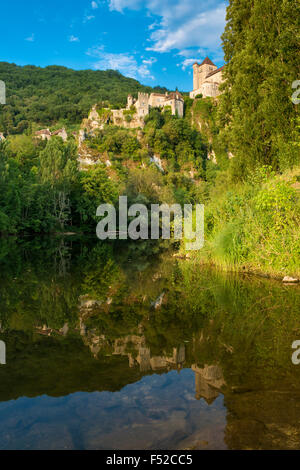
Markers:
<point>208,382</point>
<point>147,362</point>
<point>134,347</point>
<point>143,358</point>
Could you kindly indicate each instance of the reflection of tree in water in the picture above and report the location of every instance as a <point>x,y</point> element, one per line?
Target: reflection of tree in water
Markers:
<point>62,257</point>
<point>100,273</point>
<point>234,332</point>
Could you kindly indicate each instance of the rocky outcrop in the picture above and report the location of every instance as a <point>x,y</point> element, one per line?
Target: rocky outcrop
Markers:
<point>290,280</point>
<point>158,302</point>
<point>157,162</point>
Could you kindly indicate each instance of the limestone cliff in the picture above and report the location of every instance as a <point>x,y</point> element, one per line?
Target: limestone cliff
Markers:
<point>203,115</point>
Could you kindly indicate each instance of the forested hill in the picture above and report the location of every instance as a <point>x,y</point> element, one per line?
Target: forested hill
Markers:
<point>55,94</point>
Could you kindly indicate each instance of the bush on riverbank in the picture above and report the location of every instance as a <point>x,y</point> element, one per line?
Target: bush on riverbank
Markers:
<point>254,226</point>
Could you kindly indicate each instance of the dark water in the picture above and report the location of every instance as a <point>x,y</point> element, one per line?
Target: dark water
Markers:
<point>125,347</point>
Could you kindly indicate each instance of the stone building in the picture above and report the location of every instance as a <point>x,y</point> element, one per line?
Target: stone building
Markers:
<point>174,100</point>
<point>142,104</point>
<point>43,134</point>
<point>133,116</point>
<point>207,79</point>
<point>46,134</point>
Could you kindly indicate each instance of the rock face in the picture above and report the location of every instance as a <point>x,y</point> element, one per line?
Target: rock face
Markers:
<point>143,358</point>
<point>157,162</point>
<point>290,280</point>
<point>134,347</point>
<point>62,133</point>
<point>81,136</point>
<point>89,304</point>
<point>158,302</point>
<point>212,157</point>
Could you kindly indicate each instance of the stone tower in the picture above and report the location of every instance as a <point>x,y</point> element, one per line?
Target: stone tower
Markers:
<point>201,71</point>
<point>142,104</point>
<point>130,101</point>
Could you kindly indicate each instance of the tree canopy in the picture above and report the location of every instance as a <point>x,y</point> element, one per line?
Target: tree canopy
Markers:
<point>262,49</point>
<point>53,94</point>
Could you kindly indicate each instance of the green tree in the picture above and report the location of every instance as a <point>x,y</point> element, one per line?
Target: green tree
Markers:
<point>95,188</point>
<point>59,169</point>
<point>261,45</point>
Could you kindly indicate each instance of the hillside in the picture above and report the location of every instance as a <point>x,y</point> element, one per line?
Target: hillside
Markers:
<point>50,95</point>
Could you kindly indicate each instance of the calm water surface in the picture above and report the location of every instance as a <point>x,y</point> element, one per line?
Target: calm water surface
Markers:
<point>125,347</point>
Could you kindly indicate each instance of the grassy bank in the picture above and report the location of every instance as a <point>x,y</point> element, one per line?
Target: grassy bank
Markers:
<point>254,226</point>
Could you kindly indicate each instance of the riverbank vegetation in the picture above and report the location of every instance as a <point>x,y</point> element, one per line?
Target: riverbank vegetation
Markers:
<point>238,154</point>
<point>252,200</point>
<point>254,225</point>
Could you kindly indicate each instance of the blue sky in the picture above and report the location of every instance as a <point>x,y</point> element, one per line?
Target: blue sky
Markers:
<point>154,41</point>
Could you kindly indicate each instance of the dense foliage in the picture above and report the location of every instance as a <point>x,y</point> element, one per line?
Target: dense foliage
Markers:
<point>238,154</point>
<point>168,136</point>
<point>262,48</point>
<point>254,226</point>
<point>42,189</point>
<point>51,95</point>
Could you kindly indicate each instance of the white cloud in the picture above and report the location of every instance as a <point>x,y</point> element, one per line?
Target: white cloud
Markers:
<point>150,61</point>
<point>124,63</point>
<point>187,63</point>
<point>183,23</point>
<point>88,18</point>
<point>189,53</point>
<point>120,5</point>
<point>202,30</point>
<point>153,26</point>
<point>94,5</point>
<point>73,39</point>
<point>30,38</point>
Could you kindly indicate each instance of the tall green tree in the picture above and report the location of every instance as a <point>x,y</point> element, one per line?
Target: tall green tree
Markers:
<point>59,169</point>
<point>95,188</point>
<point>262,48</point>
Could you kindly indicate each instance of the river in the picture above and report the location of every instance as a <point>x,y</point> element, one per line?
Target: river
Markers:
<point>112,346</point>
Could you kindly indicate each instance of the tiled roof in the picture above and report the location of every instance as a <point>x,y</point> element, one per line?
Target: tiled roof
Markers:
<point>208,61</point>
<point>215,71</point>
<point>175,95</point>
<point>170,96</point>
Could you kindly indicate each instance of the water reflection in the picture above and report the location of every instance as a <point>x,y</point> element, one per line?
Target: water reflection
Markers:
<point>120,347</point>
